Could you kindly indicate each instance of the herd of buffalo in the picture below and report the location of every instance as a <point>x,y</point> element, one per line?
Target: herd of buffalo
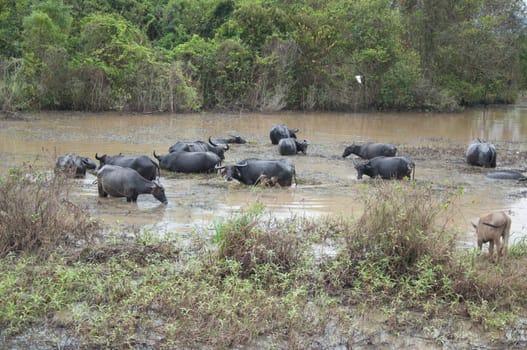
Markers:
<point>130,176</point>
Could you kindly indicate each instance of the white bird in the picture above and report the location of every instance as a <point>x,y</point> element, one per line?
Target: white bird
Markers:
<point>359,79</point>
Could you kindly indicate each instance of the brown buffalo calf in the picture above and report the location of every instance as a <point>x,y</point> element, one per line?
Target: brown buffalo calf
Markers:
<point>491,228</point>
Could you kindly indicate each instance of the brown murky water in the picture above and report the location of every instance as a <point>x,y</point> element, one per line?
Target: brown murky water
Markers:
<point>327,182</point>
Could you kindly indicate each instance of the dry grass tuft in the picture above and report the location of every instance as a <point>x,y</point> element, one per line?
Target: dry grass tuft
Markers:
<point>36,214</point>
<point>401,220</point>
<point>252,242</point>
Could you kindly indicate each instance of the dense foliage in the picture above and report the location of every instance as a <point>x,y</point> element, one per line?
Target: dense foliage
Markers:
<point>268,55</point>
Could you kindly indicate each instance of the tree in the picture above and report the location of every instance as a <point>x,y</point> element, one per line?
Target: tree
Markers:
<point>469,46</point>
<point>113,47</point>
<point>45,55</point>
<point>11,14</point>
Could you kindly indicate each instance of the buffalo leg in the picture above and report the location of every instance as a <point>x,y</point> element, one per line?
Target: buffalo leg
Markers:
<point>491,249</point>
<point>498,250</point>
<point>101,190</point>
<point>260,178</point>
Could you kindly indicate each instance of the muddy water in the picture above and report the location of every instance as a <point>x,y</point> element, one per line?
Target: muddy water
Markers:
<point>326,183</point>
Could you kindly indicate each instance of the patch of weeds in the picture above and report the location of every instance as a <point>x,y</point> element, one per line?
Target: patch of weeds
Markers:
<point>36,214</point>
<point>247,239</point>
<point>518,249</point>
<point>488,316</point>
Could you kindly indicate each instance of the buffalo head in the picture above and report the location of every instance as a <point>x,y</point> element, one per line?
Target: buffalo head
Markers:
<point>236,139</point>
<point>362,168</point>
<point>230,172</point>
<point>88,163</point>
<point>350,149</point>
<point>302,146</point>
<point>158,191</point>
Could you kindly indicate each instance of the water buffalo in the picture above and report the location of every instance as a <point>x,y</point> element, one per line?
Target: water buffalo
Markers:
<point>73,165</point>
<point>481,153</point>
<point>118,181</point>
<point>200,146</point>
<point>231,139</point>
<point>145,166</point>
<point>492,227</point>
<point>506,175</point>
<point>371,150</point>
<point>252,171</point>
<point>188,162</point>
<point>281,132</point>
<point>290,146</point>
<point>386,168</point>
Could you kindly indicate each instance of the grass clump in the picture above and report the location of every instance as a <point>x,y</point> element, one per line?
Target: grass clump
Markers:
<point>398,237</point>
<point>36,214</point>
<point>251,242</point>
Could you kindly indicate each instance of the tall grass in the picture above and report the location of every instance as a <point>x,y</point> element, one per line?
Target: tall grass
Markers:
<point>403,222</point>
<point>251,241</point>
<point>36,214</point>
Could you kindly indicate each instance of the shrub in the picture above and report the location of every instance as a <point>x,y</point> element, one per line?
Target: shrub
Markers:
<point>401,221</point>
<point>36,213</point>
<point>245,239</point>
<point>398,242</point>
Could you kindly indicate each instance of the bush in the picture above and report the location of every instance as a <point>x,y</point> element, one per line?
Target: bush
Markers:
<point>36,214</point>
<point>401,236</point>
<point>246,240</point>
<point>401,221</point>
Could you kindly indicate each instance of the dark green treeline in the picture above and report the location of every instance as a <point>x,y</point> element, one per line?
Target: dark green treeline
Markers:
<point>263,55</point>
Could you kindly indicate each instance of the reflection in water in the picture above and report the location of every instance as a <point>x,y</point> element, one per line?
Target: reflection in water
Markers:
<point>327,182</point>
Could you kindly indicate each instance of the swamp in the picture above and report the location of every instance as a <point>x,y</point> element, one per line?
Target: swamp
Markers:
<point>331,263</point>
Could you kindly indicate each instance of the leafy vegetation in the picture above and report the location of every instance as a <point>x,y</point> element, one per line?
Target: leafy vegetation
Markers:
<point>187,55</point>
<point>258,277</point>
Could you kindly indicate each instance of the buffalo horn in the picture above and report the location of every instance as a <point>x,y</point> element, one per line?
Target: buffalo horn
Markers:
<point>97,157</point>
<point>156,156</point>
<point>219,167</point>
<point>226,147</point>
<point>242,165</point>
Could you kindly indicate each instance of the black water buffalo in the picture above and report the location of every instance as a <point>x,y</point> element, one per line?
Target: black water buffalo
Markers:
<point>231,139</point>
<point>145,166</point>
<point>188,162</point>
<point>506,175</point>
<point>252,171</point>
<point>482,154</point>
<point>118,181</point>
<point>386,168</point>
<point>371,150</point>
<point>290,146</point>
<point>73,165</point>
<point>281,132</point>
<point>200,146</point>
